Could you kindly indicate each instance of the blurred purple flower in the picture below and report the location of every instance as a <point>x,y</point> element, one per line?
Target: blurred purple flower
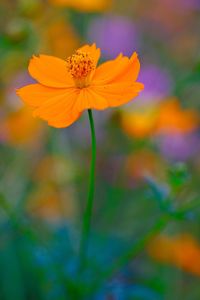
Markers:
<point>114,34</point>
<point>179,147</point>
<point>157,82</point>
<point>191,4</point>
<point>184,4</point>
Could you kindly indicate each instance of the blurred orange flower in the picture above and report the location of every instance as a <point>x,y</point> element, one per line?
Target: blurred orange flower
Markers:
<point>144,163</point>
<point>84,5</point>
<point>182,251</point>
<point>67,88</point>
<point>54,37</point>
<point>20,128</point>
<point>173,119</point>
<point>167,117</point>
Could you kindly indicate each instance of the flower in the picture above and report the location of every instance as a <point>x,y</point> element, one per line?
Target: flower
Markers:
<point>182,251</point>
<point>179,146</point>
<point>84,5</point>
<point>20,128</point>
<point>157,81</point>
<point>66,88</point>
<point>53,36</point>
<point>139,123</point>
<point>183,5</point>
<point>173,119</point>
<point>166,118</point>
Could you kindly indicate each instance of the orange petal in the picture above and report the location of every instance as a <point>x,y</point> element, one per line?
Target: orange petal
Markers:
<point>120,69</point>
<point>93,51</point>
<point>64,120</point>
<point>88,98</point>
<point>59,111</point>
<point>56,106</point>
<point>36,94</point>
<point>131,72</point>
<point>117,94</point>
<point>110,95</point>
<point>50,71</point>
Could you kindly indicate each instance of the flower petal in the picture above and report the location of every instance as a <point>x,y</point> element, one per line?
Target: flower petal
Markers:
<point>93,51</point>
<point>117,94</point>
<point>64,120</point>
<point>121,69</point>
<point>88,98</point>
<point>50,71</point>
<point>130,73</point>
<point>56,106</point>
<point>36,94</point>
<point>110,95</point>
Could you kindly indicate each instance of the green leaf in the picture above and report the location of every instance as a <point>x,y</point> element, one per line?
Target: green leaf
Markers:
<point>178,175</point>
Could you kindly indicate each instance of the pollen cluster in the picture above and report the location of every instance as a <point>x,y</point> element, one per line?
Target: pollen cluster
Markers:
<point>80,65</point>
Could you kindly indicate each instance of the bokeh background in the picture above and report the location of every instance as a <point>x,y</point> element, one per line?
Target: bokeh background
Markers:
<point>148,161</point>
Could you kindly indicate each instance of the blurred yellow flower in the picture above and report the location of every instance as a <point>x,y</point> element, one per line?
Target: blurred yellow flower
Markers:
<point>84,5</point>
<point>20,127</point>
<point>139,123</point>
<point>182,251</point>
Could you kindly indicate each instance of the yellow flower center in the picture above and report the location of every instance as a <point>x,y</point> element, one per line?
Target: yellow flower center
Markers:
<point>80,65</point>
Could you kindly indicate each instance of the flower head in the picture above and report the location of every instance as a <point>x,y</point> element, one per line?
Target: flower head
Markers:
<point>182,251</point>
<point>80,65</point>
<point>179,146</point>
<point>173,119</point>
<point>164,118</point>
<point>157,81</point>
<point>139,123</point>
<point>66,88</point>
<point>20,128</point>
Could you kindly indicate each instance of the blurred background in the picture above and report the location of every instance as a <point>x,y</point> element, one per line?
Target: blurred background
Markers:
<point>148,159</point>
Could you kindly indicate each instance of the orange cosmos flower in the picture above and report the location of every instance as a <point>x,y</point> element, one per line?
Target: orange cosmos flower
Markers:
<point>66,88</point>
<point>182,251</point>
<point>20,128</point>
<point>167,117</point>
<point>173,119</point>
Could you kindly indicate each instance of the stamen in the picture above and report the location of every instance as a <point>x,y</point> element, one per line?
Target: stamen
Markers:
<point>80,65</point>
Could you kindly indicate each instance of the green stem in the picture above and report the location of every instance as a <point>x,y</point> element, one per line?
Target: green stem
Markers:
<point>88,210</point>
